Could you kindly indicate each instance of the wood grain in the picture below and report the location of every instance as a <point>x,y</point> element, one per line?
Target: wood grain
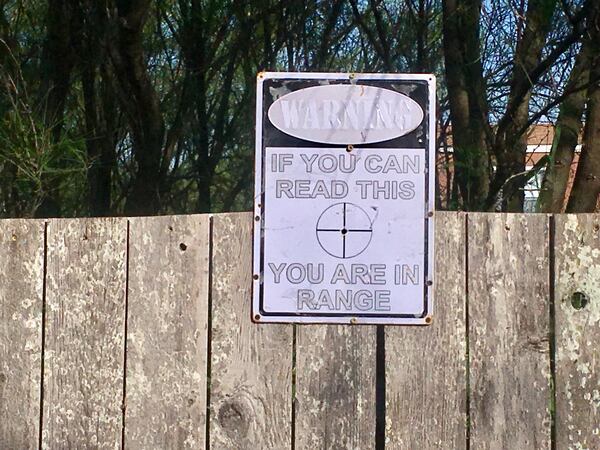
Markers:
<point>21,290</point>
<point>250,400</point>
<point>508,295</point>
<point>84,347</point>
<point>335,386</point>
<point>426,366</point>
<point>251,365</point>
<point>167,332</point>
<point>577,269</point>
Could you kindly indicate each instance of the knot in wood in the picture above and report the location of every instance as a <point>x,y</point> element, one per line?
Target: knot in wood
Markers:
<point>233,418</point>
<point>538,344</point>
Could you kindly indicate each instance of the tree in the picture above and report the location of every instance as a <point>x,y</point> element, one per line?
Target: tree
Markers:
<point>586,188</point>
<point>138,107</point>
<point>491,155</point>
<point>567,132</point>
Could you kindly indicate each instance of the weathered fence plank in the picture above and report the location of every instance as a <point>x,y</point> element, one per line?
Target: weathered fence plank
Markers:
<point>335,387</point>
<point>508,297</point>
<point>250,400</point>
<point>21,290</point>
<point>577,270</point>
<point>426,366</point>
<point>84,346</point>
<point>167,332</point>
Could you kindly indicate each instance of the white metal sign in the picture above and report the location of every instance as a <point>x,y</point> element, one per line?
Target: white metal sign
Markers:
<point>344,198</point>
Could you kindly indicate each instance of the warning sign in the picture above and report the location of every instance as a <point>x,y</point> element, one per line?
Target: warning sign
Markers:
<point>344,198</point>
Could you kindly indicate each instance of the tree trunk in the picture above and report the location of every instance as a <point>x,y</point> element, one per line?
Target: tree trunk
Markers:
<point>56,67</point>
<point>566,134</point>
<point>140,102</point>
<point>100,148</point>
<point>586,188</point>
<point>194,51</point>
<point>511,143</point>
<point>204,203</point>
<point>467,96</point>
<point>320,59</point>
<point>10,45</point>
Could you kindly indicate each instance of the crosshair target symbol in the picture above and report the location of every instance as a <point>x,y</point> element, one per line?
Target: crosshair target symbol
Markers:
<point>344,230</point>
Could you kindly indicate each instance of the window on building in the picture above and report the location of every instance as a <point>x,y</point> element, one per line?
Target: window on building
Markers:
<point>532,190</point>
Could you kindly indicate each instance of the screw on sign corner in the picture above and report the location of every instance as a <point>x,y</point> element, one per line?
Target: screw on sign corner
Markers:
<point>428,320</point>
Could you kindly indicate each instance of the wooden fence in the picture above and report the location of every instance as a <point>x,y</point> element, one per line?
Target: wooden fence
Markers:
<point>136,333</point>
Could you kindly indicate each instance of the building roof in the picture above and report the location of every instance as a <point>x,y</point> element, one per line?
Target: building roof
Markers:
<point>539,138</point>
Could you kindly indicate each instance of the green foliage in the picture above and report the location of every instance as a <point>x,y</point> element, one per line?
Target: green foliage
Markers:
<point>31,158</point>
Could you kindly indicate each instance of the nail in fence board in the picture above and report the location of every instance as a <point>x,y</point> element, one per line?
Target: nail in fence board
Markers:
<point>21,288</point>
<point>251,364</point>
<point>335,386</point>
<point>167,332</point>
<point>577,269</point>
<point>508,296</point>
<point>426,367</point>
<point>85,312</point>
